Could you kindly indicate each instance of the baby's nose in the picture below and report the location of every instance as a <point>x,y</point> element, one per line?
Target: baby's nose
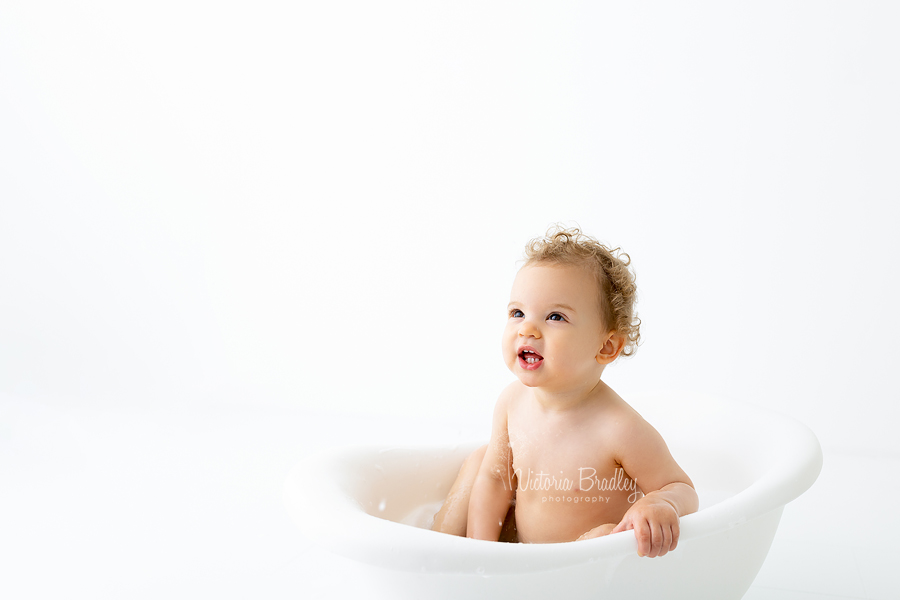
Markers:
<point>529,329</point>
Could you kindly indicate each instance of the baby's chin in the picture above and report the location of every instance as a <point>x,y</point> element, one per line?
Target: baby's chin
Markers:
<point>526,378</point>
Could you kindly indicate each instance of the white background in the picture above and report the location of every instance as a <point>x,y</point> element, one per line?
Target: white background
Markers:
<point>316,209</point>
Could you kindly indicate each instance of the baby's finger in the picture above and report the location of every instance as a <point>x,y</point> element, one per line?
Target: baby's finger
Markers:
<point>676,532</point>
<point>624,525</point>
<point>657,540</point>
<point>644,537</point>
<point>666,540</point>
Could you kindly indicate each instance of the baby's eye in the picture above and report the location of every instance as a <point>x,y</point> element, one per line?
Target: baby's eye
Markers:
<point>556,317</point>
<point>516,313</point>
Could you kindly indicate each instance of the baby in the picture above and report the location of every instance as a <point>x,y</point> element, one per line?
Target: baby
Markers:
<point>568,459</point>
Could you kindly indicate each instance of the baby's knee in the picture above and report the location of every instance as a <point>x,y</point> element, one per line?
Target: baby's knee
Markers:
<point>470,467</point>
<point>474,460</point>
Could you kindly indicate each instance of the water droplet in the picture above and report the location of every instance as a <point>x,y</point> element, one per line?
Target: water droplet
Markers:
<point>382,505</point>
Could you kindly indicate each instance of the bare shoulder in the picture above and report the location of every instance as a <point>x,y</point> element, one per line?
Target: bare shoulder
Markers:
<point>511,394</point>
<point>628,429</point>
<point>641,450</point>
<point>499,448</point>
<point>505,402</point>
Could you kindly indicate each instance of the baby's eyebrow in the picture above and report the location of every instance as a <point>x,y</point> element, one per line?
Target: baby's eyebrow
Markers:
<point>565,307</point>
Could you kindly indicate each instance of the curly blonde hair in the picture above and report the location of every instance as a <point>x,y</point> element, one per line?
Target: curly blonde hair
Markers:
<point>618,292</point>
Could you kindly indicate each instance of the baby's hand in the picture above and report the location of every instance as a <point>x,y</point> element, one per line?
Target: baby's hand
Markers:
<point>598,531</point>
<point>655,524</point>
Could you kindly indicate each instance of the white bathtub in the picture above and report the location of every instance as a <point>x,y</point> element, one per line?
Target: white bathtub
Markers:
<point>747,464</point>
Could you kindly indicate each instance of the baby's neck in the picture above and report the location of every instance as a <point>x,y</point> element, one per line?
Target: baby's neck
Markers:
<point>570,398</point>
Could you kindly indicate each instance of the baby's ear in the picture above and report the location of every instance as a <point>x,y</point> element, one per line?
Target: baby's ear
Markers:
<point>611,348</point>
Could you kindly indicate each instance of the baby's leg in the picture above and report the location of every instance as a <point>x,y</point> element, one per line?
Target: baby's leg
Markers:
<point>599,531</point>
<point>455,512</point>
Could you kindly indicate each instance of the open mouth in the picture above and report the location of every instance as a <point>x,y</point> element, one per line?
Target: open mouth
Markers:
<point>529,358</point>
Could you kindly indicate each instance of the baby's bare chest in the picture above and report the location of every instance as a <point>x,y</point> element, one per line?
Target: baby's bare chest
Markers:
<point>576,459</point>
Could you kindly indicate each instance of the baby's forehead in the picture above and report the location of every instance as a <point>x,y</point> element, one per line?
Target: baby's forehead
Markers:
<point>560,271</point>
<point>546,280</point>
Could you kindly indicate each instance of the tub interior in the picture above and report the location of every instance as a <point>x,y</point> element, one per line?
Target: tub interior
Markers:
<point>724,453</point>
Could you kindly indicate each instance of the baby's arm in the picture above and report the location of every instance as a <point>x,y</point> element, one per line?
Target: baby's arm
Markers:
<point>668,491</point>
<point>493,489</point>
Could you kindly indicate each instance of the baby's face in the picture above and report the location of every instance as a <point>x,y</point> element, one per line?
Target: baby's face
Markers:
<point>554,330</point>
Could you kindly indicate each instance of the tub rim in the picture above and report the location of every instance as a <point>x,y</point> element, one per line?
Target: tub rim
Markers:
<point>383,543</point>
